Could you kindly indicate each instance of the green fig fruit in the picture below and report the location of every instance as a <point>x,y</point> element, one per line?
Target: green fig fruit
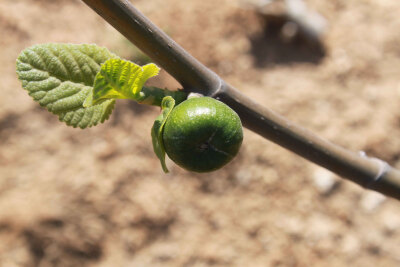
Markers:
<point>202,134</point>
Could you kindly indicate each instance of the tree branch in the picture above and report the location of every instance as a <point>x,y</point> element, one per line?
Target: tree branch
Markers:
<point>194,77</point>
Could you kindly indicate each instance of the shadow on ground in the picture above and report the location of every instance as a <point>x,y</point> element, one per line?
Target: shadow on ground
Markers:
<point>270,48</point>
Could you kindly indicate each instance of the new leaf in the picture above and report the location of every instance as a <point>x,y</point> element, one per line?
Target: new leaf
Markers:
<point>120,79</point>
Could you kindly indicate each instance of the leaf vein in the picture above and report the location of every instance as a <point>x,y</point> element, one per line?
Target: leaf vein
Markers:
<point>81,72</point>
<point>62,64</point>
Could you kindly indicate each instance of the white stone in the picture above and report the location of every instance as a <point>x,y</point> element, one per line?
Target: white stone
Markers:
<point>371,200</point>
<point>324,180</point>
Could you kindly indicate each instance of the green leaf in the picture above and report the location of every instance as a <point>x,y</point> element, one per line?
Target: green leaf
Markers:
<point>61,76</point>
<point>120,79</point>
<point>167,105</point>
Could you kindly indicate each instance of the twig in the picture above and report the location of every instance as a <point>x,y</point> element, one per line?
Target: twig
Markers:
<point>194,77</point>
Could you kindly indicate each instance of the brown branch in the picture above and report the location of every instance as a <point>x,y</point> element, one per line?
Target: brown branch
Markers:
<point>195,77</point>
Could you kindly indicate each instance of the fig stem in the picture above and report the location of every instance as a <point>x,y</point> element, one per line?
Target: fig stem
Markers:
<point>151,95</point>
<point>195,77</point>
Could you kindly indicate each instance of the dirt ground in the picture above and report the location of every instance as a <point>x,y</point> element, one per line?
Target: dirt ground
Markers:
<point>98,197</point>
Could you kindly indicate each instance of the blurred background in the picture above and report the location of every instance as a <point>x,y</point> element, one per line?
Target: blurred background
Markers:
<point>98,197</point>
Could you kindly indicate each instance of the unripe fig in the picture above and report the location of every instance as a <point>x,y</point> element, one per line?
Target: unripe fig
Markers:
<point>202,134</point>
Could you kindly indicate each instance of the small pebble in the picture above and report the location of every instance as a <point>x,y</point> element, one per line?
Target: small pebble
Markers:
<point>371,200</point>
<point>324,180</point>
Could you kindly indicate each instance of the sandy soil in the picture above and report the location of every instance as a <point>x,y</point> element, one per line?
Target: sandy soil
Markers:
<point>98,197</point>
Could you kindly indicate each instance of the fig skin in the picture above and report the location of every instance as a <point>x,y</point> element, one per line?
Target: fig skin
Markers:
<point>202,134</point>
